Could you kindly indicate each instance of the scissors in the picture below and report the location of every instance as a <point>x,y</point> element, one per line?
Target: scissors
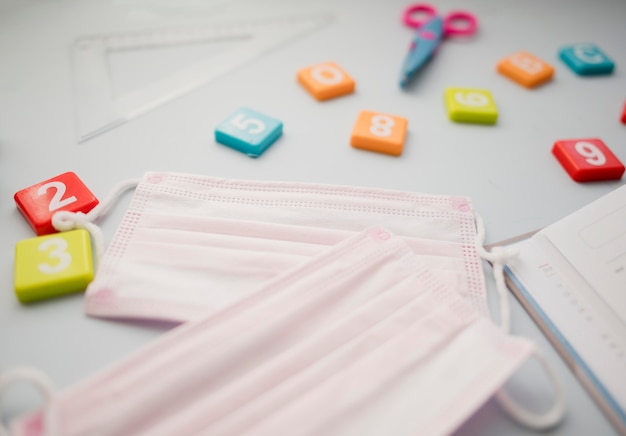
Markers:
<point>430,31</point>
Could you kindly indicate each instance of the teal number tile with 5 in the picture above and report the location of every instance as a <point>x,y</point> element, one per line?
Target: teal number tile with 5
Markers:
<point>248,131</point>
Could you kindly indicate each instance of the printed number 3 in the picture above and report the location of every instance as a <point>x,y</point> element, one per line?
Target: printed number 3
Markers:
<point>592,154</point>
<point>59,252</point>
<point>57,201</point>
<point>381,125</point>
<point>242,123</point>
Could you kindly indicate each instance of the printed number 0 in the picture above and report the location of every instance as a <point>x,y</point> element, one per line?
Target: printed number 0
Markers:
<point>57,201</point>
<point>474,99</point>
<point>327,75</point>
<point>591,152</point>
<point>59,251</point>
<point>381,125</point>
<point>242,123</point>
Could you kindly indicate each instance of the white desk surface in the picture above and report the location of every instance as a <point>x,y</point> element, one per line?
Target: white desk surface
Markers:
<point>507,169</point>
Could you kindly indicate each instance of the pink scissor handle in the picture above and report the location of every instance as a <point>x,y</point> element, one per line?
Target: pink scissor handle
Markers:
<point>460,23</point>
<point>408,17</point>
<point>455,23</point>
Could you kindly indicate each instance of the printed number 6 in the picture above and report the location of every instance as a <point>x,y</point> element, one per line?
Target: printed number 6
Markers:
<point>381,125</point>
<point>242,123</point>
<point>474,99</point>
<point>591,152</point>
<point>59,251</point>
<point>57,201</point>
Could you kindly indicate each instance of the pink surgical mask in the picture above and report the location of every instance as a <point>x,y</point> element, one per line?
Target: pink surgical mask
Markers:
<point>192,244</point>
<point>278,278</point>
<point>361,339</point>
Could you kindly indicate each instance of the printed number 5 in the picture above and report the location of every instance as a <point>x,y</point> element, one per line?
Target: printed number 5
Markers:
<point>242,123</point>
<point>591,152</point>
<point>58,252</point>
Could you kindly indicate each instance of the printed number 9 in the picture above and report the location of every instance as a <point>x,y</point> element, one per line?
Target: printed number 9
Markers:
<point>59,252</point>
<point>327,75</point>
<point>474,99</point>
<point>381,125</point>
<point>242,123</point>
<point>591,152</point>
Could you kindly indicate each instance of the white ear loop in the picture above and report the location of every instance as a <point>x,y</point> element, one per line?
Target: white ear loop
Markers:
<point>45,388</point>
<point>64,221</point>
<point>498,256</point>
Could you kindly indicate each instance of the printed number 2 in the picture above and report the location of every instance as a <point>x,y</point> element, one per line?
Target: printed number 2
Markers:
<point>58,252</point>
<point>57,201</point>
<point>242,123</point>
<point>381,125</point>
<point>592,154</point>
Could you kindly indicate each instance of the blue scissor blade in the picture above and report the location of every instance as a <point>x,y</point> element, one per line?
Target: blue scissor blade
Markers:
<point>426,40</point>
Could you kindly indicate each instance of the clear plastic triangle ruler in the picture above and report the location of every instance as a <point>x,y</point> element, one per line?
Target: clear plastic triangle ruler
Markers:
<point>99,109</point>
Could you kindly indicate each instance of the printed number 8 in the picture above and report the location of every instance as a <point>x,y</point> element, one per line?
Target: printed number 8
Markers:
<point>591,152</point>
<point>474,99</point>
<point>59,251</point>
<point>381,125</point>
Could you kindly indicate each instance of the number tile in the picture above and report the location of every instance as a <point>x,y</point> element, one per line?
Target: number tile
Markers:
<point>326,81</point>
<point>525,69</point>
<point>53,265</point>
<point>469,105</point>
<point>248,131</point>
<point>382,133</point>
<point>586,59</point>
<point>587,160</point>
<point>38,203</point>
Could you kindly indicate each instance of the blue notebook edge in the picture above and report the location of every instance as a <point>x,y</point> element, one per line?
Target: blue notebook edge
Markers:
<point>615,413</point>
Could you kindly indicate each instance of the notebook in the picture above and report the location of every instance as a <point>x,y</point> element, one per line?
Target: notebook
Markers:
<point>571,278</point>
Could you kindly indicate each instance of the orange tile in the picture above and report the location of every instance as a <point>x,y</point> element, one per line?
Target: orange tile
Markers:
<point>525,69</point>
<point>326,81</point>
<point>383,133</point>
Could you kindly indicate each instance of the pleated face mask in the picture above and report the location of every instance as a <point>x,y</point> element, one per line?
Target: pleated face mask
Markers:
<point>192,244</point>
<point>361,339</point>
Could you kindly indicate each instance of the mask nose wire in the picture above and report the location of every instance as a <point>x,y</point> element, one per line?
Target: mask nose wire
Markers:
<point>45,387</point>
<point>66,220</point>
<point>498,256</point>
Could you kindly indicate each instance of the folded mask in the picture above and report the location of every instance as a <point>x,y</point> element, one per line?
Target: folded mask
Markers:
<point>190,244</point>
<point>361,339</point>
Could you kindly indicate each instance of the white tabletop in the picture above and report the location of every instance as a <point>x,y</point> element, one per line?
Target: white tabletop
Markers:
<point>508,170</point>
